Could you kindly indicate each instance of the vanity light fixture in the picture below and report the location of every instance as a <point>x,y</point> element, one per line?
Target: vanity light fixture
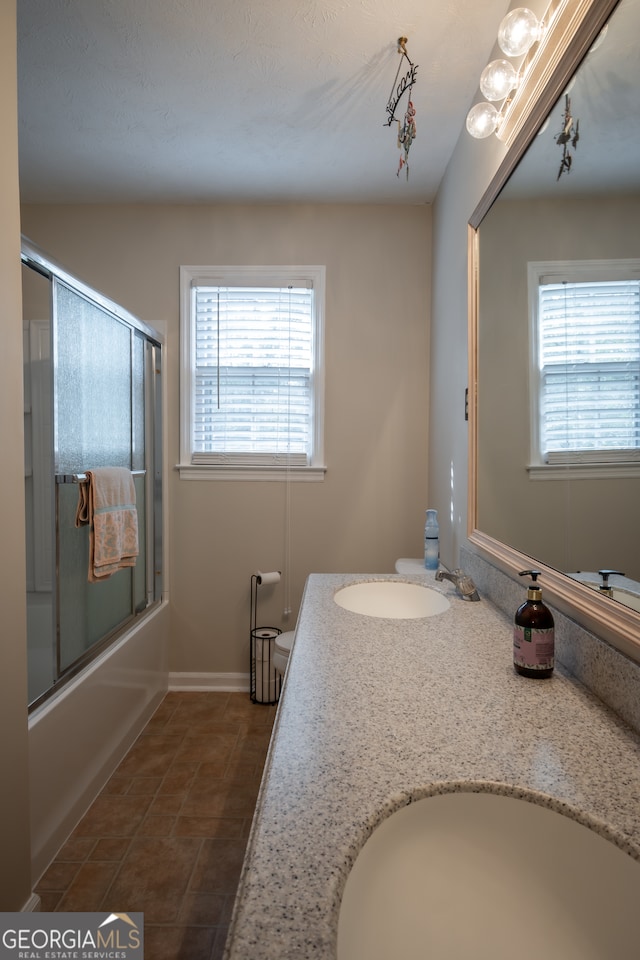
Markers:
<point>517,34</point>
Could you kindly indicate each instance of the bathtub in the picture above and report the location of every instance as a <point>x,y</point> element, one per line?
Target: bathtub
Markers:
<point>78,737</point>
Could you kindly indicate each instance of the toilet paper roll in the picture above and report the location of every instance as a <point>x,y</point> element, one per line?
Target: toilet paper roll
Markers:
<point>264,578</point>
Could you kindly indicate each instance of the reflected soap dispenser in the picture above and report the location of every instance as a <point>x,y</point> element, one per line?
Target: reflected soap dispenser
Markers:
<point>533,633</point>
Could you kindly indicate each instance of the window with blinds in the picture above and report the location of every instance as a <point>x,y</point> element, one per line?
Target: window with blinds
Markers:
<point>252,355</point>
<point>588,346</point>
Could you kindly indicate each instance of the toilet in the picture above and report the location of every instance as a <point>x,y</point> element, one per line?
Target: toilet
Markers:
<point>410,566</point>
<point>281,650</point>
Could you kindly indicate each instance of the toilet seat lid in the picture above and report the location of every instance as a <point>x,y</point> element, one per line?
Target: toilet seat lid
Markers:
<point>284,641</point>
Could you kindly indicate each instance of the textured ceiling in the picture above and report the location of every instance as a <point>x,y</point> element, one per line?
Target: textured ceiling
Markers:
<point>193,101</point>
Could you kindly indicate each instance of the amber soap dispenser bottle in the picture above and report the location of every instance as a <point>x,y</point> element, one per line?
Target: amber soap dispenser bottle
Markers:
<point>533,633</point>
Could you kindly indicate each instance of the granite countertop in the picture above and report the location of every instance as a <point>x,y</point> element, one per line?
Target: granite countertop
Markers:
<point>378,712</point>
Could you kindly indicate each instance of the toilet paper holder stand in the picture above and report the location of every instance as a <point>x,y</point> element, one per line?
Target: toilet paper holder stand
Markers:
<point>265,681</point>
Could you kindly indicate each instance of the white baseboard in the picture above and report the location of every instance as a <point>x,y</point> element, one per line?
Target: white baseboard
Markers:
<point>222,682</point>
<point>32,905</point>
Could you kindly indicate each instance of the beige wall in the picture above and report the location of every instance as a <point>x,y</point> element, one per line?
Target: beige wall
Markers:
<point>370,508</point>
<point>15,881</point>
<point>473,164</point>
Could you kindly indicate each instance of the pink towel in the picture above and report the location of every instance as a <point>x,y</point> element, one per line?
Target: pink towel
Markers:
<point>107,503</point>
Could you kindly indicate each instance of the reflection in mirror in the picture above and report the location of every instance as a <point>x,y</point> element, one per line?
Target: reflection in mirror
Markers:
<point>558,340</point>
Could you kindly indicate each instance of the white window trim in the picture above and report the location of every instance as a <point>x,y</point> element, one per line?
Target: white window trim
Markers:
<point>571,271</point>
<point>248,276</point>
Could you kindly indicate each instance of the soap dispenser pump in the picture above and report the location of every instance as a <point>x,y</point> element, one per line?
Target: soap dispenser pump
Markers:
<point>605,589</point>
<point>533,633</point>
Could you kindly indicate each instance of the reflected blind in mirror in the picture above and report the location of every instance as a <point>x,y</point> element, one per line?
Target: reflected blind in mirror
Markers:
<point>589,357</point>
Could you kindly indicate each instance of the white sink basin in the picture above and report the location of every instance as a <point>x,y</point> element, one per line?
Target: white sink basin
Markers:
<point>488,877</point>
<point>391,598</point>
<point>629,599</point>
<point>618,593</point>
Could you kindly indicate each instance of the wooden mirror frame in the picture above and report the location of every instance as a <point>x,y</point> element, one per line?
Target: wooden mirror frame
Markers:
<point>573,27</point>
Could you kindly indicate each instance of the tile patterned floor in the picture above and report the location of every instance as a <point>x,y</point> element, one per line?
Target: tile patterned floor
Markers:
<point>167,834</point>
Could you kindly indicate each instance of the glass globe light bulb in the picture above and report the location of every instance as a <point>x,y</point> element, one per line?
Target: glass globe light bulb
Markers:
<point>498,79</point>
<point>518,32</point>
<point>482,120</point>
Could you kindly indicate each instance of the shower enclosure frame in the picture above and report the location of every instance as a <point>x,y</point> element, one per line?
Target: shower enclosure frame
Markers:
<point>152,346</point>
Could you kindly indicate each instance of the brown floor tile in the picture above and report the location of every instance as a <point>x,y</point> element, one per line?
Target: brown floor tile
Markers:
<point>110,848</point>
<point>209,827</point>
<point>150,756</point>
<point>218,947</point>
<point>89,886</point>
<point>156,725</point>
<point>228,909</point>
<point>204,909</point>
<point>191,696</point>
<point>117,786</point>
<point>155,869</point>
<point>163,713</point>
<point>241,709</point>
<point>113,816</point>
<point>58,876</point>
<point>218,867</point>
<point>246,830</point>
<point>196,713</point>
<point>49,900</point>
<point>168,805</point>
<point>167,835</point>
<point>216,769</point>
<point>220,798</point>
<point>145,786</point>
<point>157,910</point>
<point>210,747</point>
<point>173,697</point>
<point>238,769</point>
<point>179,777</point>
<point>156,826</point>
<point>76,848</point>
<point>252,745</point>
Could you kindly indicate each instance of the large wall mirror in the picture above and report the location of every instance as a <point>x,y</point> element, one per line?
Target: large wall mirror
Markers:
<point>555,335</point>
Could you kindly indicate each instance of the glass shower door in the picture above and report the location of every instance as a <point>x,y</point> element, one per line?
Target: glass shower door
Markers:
<point>93,378</point>
<point>99,421</point>
<point>38,473</point>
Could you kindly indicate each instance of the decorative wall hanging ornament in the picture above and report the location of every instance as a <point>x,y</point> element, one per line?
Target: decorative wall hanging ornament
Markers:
<point>568,137</point>
<point>402,85</point>
<point>406,136</point>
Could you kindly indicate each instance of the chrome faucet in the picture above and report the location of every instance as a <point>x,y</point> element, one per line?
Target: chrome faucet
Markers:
<point>463,584</point>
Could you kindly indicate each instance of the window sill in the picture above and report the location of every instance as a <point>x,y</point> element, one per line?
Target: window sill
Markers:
<point>583,471</point>
<point>232,471</point>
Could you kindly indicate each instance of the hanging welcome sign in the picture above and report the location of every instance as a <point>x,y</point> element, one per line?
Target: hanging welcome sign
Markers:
<point>401,85</point>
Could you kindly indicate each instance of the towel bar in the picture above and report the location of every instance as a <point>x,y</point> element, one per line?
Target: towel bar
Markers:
<point>82,477</point>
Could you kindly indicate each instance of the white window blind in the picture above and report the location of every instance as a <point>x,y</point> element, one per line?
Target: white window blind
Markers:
<point>253,373</point>
<point>589,368</point>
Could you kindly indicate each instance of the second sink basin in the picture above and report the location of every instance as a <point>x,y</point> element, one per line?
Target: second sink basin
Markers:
<point>491,877</point>
<point>391,598</point>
